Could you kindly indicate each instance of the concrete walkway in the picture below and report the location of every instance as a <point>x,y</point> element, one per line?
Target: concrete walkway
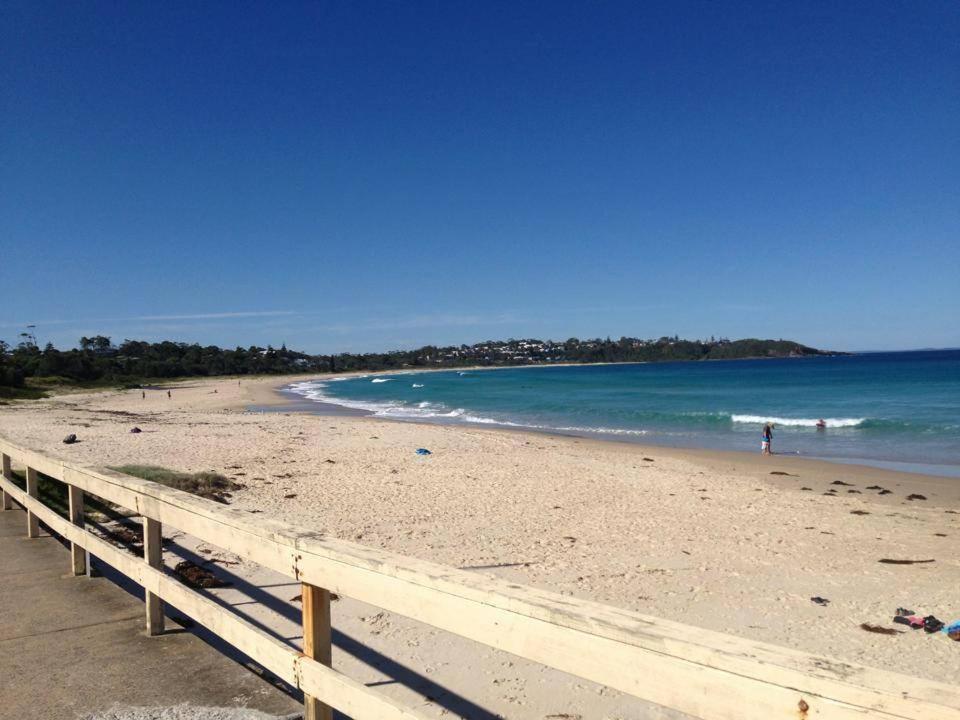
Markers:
<point>72,646</point>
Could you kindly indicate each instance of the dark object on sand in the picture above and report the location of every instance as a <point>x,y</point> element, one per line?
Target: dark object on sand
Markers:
<point>648,459</point>
<point>125,536</point>
<point>820,601</point>
<point>888,561</point>
<point>136,430</point>
<point>885,492</point>
<point>874,487</point>
<point>930,624</point>
<point>915,496</point>
<point>196,577</point>
<point>332,462</point>
<point>879,630</point>
<point>904,611</point>
<point>291,495</point>
<point>780,472</point>
<point>70,439</point>
<point>913,621</point>
<point>859,512</point>
<point>841,482</point>
<point>855,492</point>
<point>423,451</point>
<point>806,488</point>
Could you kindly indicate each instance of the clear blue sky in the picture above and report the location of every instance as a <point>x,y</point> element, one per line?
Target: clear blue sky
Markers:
<point>363,176</point>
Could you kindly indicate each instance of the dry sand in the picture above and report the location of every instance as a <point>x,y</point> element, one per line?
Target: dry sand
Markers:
<point>710,539</point>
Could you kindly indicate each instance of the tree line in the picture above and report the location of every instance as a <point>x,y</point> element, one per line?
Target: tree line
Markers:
<point>97,359</point>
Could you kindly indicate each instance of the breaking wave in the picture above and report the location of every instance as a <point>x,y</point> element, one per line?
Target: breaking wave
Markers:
<point>798,422</point>
<point>426,410</point>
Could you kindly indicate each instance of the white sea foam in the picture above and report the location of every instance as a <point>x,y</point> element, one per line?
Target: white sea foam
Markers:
<point>417,385</point>
<point>314,390</point>
<point>798,422</point>
<point>553,428</point>
<point>380,380</point>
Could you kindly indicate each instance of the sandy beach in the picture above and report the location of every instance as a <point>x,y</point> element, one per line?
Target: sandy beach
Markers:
<point>729,541</point>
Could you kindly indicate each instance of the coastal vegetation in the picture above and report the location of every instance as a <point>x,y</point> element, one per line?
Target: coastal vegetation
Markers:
<point>26,369</point>
<point>208,484</point>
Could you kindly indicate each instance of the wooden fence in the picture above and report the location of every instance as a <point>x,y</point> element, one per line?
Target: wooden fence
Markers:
<point>702,673</point>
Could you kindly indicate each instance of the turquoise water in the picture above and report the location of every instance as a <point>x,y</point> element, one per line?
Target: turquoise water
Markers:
<point>880,408</point>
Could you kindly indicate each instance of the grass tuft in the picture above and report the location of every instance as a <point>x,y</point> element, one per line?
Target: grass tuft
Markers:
<point>21,393</point>
<point>207,484</point>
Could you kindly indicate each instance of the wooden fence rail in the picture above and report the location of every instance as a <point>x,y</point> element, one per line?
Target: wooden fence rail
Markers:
<point>702,673</point>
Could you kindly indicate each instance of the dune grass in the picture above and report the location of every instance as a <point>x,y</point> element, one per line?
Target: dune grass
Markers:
<point>21,393</point>
<point>207,484</point>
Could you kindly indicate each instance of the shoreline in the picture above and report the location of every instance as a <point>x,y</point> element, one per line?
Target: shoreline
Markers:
<point>273,397</point>
<point>722,540</point>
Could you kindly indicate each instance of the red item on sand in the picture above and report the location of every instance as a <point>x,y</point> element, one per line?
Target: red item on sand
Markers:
<point>914,621</point>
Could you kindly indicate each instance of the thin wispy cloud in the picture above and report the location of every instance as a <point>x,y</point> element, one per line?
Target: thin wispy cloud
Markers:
<point>157,318</point>
<point>217,316</point>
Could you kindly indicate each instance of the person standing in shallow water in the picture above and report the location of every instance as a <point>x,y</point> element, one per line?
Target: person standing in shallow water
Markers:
<point>767,440</point>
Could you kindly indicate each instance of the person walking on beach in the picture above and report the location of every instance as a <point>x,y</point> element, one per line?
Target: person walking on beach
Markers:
<point>767,440</point>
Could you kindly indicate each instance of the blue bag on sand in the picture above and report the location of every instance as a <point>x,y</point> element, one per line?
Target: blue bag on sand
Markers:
<point>423,451</point>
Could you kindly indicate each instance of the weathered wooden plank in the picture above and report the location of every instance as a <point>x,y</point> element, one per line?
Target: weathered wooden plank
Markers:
<point>78,556</point>
<point>33,526</point>
<point>316,642</point>
<point>7,473</point>
<point>350,697</point>
<point>344,694</point>
<point>50,467</point>
<point>271,545</point>
<point>153,556</point>
<point>641,655</point>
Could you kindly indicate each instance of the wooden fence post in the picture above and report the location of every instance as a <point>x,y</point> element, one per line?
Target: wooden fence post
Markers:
<point>316,642</point>
<point>8,475</point>
<point>78,557</point>
<point>33,524</point>
<point>153,555</point>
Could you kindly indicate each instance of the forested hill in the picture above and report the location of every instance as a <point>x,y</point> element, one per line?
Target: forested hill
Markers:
<point>98,359</point>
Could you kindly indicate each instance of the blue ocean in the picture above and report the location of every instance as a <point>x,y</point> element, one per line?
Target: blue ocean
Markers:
<point>898,410</point>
